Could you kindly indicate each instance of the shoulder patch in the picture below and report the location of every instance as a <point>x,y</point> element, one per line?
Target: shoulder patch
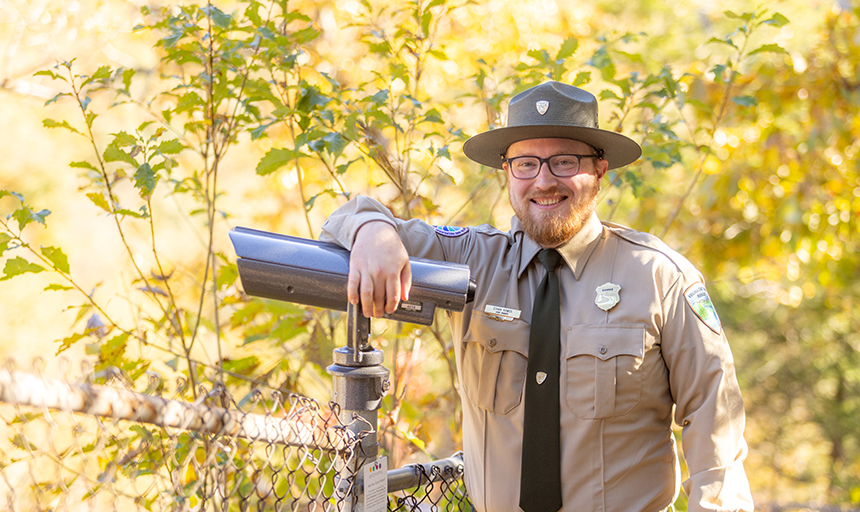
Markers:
<point>700,302</point>
<point>451,231</point>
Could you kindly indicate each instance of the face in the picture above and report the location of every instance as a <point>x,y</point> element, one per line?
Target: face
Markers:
<point>552,209</point>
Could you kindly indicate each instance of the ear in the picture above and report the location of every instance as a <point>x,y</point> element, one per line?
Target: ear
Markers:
<point>600,168</point>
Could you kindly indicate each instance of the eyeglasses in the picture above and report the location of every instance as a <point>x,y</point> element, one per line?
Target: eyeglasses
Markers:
<point>561,166</point>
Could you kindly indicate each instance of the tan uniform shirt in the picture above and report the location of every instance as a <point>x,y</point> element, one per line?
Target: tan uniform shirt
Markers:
<point>622,370</point>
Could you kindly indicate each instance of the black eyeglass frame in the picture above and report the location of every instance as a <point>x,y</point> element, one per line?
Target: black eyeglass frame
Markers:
<point>541,161</point>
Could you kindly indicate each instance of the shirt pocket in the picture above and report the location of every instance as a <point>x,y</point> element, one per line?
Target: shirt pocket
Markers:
<point>604,377</point>
<point>495,363</point>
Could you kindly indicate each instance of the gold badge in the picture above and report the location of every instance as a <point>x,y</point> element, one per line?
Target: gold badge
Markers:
<point>542,106</point>
<point>607,296</point>
<point>540,377</point>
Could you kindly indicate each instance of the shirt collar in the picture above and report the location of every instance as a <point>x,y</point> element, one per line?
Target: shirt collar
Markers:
<point>575,251</point>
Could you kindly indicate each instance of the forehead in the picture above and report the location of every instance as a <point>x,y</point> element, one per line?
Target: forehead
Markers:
<point>547,147</point>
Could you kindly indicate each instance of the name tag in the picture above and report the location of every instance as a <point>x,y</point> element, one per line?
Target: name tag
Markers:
<point>500,313</point>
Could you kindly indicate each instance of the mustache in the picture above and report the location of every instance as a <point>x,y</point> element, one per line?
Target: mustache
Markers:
<point>552,192</point>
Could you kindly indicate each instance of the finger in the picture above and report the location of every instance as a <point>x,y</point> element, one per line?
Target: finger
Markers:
<point>406,281</point>
<point>352,281</point>
<point>392,295</point>
<point>365,291</point>
<point>378,299</point>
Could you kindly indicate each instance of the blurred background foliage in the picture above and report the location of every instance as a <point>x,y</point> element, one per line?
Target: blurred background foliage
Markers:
<point>136,135</point>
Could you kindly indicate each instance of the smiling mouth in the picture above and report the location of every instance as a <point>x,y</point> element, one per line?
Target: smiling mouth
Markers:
<point>548,201</point>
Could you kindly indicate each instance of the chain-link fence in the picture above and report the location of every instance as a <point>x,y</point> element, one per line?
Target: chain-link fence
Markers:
<point>72,445</point>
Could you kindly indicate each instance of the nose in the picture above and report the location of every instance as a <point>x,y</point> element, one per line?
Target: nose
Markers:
<point>545,178</point>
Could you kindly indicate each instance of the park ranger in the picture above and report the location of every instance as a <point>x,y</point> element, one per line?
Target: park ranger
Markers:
<point>585,339</point>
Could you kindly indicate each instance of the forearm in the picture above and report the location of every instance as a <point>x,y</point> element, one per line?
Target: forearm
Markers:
<point>342,226</point>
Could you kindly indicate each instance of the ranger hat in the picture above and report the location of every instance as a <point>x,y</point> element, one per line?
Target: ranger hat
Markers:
<point>552,110</point>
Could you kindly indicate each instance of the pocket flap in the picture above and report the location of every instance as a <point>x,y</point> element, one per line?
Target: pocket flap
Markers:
<point>497,335</point>
<point>606,341</point>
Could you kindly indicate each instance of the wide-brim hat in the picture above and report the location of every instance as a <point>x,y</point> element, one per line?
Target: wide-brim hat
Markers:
<point>552,110</point>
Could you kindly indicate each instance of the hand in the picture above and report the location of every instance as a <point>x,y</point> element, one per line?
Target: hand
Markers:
<point>379,271</point>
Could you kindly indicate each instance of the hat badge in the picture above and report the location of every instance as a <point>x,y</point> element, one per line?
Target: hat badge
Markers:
<point>542,106</point>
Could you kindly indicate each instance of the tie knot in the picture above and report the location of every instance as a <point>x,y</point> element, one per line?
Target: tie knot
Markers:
<point>549,258</point>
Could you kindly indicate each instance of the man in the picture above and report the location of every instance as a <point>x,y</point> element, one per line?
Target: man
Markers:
<point>585,338</point>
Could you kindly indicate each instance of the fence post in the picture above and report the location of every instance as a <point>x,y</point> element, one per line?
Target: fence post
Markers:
<point>359,381</point>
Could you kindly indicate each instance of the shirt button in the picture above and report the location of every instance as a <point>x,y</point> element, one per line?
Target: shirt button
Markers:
<point>492,342</point>
<point>602,350</point>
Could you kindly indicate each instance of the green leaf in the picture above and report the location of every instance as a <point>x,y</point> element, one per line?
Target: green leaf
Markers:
<point>773,47</point>
<point>342,168</point>
<point>745,101</point>
<point>67,342</point>
<point>274,160</point>
<point>113,350</point>
<point>727,42</point>
<point>244,366</point>
<point>444,152</point>
<point>50,123</point>
<point>219,17</point>
<point>100,74</point>
<point>145,180</point>
<point>131,213</point>
<point>99,200</point>
<point>115,154</point>
<point>24,215</point>
<point>57,97</point>
<point>57,287</point>
<point>432,116</point>
<point>606,94</point>
<point>127,75</point>
<point>83,165</point>
<point>57,257</point>
<point>4,193</point>
<point>718,71</point>
<point>4,242</point>
<point>48,72</point>
<point>582,78</point>
<point>187,102</point>
<point>426,19</point>
<point>568,48</point>
<point>17,266</point>
<point>777,20</point>
<point>438,54</point>
<point>123,139</point>
<point>745,16</point>
<point>170,147</point>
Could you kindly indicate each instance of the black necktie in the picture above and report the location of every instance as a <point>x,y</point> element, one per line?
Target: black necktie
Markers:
<point>540,480</point>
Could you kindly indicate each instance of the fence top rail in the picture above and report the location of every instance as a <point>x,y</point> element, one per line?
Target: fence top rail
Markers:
<point>302,425</point>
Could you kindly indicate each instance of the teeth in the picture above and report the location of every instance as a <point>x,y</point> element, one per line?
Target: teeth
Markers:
<point>547,202</point>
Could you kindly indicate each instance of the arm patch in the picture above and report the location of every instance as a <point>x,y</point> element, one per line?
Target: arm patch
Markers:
<point>700,302</point>
<point>450,231</point>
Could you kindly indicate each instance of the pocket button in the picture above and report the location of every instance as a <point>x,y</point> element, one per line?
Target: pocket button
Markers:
<point>492,342</point>
<point>602,350</point>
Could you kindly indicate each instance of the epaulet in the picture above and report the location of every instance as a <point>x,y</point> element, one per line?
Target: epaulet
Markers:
<point>651,242</point>
<point>488,230</point>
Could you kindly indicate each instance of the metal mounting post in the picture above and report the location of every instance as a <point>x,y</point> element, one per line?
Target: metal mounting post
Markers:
<point>359,382</point>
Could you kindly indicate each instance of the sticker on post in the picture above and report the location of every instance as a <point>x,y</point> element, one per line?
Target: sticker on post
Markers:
<point>411,305</point>
<point>376,485</point>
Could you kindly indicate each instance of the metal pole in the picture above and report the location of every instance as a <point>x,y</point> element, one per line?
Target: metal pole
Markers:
<point>359,381</point>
